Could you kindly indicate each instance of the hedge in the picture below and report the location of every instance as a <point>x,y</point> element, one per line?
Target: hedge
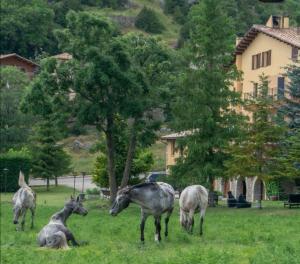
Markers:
<point>13,161</point>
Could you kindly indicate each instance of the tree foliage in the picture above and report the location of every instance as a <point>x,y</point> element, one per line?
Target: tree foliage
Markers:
<point>26,27</point>
<point>15,126</point>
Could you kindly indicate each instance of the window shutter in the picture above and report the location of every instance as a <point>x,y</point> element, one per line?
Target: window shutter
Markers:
<point>295,53</point>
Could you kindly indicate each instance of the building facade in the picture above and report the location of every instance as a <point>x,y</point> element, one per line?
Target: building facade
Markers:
<point>264,49</point>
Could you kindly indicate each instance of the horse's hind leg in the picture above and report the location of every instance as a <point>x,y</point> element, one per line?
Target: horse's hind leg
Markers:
<point>57,240</point>
<point>202,214</point>
<point>23,219</point>
<point>158,228</point>
<point>142,225</point>
<point>167,221</point>
<point>32,216</point>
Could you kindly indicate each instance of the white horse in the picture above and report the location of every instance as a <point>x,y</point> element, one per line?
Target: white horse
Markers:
<point>23,200</point>
<point>193,198</point>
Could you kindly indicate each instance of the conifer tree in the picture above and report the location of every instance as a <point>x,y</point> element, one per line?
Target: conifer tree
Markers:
<point>204,100</point>
<point>255,155</point>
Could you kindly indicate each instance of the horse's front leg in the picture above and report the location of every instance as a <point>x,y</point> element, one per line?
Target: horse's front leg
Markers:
<point>167,221</point>
<point>142,225</point>
<point>70,237</point>
<point>158,228</point>
<point>32,216</point>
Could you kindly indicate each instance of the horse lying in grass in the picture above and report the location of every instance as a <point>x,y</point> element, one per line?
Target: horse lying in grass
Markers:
<point>192,199</point>
<point>23,200</point>
<point>153,198</point>
<point>56,234</point>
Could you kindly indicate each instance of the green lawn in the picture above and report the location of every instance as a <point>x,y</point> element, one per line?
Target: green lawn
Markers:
<point>271,235</point>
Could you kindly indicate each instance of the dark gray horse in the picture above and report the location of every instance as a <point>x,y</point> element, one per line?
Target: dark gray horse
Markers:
<point>153,198</point>
<point>23,200</point>
<point>56,234</point>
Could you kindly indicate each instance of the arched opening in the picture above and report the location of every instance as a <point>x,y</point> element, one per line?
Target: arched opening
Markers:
<point>258,190</point>
<point>241,187</point>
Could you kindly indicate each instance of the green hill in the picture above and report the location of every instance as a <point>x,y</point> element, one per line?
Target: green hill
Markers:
<point>125,18</point>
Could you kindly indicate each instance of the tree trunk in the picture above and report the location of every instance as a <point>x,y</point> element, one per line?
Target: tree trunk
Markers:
<point>111,158</point>
<point>48,183</point>
<point>56,181</point>
<point>129,158</point>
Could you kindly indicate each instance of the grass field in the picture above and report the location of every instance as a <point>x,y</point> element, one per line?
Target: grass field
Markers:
<point>271,235</point>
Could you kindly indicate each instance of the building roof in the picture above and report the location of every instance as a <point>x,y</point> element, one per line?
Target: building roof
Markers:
<point>4,56</point>
<point>177,135</point>
<point>290,36</point>
<point>63,56</point>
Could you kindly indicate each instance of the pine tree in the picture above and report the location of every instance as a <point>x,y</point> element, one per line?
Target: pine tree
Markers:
<point>49,158</point>
<point>204,100</point>
<point>255,154</point>
<point>290,109</point>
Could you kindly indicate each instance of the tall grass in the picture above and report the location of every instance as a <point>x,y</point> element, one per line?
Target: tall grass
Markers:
<point>271,235</point>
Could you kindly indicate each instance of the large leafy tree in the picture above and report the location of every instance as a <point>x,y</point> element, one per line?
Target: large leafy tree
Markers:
<point>26,27</point>
<point>100,74</point>
<point>158,66</point>
<point>15,126</point>
<point>204,102</point>
<point>255,155</point>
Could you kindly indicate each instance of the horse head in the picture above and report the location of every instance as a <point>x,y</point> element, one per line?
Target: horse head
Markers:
<point>121,202</point>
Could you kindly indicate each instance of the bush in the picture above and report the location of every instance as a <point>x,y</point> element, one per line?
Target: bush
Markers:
<point>13,161</point>
<point>141,163</point>
<point>148,21</point>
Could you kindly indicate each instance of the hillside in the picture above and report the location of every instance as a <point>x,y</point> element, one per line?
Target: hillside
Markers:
<point>125,18</point>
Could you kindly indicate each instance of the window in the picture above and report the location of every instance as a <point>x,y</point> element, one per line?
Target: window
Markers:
<point>280,88</point>
<point>172,147</point>
<point>295,53</point>
<point>261,60</point>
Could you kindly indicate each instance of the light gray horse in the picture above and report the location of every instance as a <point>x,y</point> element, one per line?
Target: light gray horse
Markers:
<point>56,234</point>
<point>153,198</point>
<point>23,200</point>
<point>192,199</point>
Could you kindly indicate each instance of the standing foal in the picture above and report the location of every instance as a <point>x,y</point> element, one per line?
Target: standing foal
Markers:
<point>154,198</point>
<point>192,199</point>
<point>23,200</point>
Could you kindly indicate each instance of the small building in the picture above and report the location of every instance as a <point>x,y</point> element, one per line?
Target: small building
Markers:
<point>25,65</point>
<point>264,49</point>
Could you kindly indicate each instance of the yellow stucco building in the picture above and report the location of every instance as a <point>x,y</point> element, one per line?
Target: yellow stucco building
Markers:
<point>264,49</point>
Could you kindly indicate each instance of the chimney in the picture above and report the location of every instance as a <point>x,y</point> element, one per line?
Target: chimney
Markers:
<point>278,22</point>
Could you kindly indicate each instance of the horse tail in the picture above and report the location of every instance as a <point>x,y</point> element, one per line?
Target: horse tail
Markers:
<point>22,182</point>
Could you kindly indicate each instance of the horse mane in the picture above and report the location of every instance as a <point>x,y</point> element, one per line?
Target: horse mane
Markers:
<point>144,184</point>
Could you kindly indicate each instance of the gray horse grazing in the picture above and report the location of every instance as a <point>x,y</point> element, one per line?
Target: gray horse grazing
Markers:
<point>56,234</point>
<point>192,199</point>
<point>23,200</point>
<point>153,198</point>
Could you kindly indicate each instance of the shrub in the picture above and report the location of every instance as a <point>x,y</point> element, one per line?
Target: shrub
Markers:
<point>13,161</point>
<point>148,21</point>
<point>142,162</point>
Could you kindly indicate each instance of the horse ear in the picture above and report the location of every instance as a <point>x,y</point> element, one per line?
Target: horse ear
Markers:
<point>72,198</point>
<point>78,199</point>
